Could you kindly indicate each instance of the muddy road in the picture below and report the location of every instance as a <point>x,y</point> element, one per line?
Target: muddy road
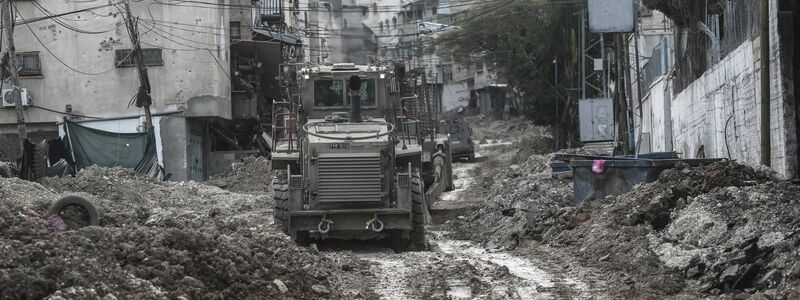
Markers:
<point>456,268</point>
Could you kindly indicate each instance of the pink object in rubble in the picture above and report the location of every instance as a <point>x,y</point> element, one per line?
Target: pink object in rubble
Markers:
<point>598,166</point>
<point>56,222</point>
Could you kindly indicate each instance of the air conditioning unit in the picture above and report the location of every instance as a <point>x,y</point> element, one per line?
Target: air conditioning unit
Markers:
<point>8,100</point>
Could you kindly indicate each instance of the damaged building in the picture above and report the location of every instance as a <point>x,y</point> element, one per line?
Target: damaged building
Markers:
<point>212,74</point>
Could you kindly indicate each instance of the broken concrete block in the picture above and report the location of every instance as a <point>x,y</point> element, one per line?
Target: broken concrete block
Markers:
<point>280,286</point>
<point>320,289</point>
<point>696,271</point>
<point>729,274</point>
<point>770,279</point>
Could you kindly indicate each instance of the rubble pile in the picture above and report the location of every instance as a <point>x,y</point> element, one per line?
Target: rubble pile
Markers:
<point>720,229</point>
<point>533,138</point>
<point>252,175</point>
<point>155,240</point>
<point>522,200</point>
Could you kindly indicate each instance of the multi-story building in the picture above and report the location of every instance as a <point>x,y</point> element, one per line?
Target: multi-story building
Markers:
<point>79,66</point>
<point>211,67</point>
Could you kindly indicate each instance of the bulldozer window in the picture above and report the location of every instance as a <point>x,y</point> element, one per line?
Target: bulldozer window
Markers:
<point>367,93</point>
<point>329,93</point>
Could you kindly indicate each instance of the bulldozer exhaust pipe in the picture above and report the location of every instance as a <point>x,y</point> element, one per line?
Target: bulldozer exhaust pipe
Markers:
<point>355,98</point>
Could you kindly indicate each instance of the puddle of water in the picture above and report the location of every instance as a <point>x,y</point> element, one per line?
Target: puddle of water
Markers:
<point>392,273</point>
<point>492,143</point>
<point>534,278</point>
<point>461,183</point>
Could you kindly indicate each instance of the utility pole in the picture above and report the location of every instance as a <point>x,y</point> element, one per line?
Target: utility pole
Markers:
<point>555,82</point>
<point>622,97</point>
<point>8,21</point>
<point>766,143</point>
<point>143,95</point>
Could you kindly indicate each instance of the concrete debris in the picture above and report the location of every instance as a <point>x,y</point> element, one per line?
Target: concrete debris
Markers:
<point>280,286</point>
<point>252,176</point>
<point>696,231</point>
<point>320,289</point>
<point>156,240</point>
<point>721,229</point>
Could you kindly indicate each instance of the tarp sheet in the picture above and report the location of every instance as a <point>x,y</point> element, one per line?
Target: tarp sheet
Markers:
<point>91,146</point>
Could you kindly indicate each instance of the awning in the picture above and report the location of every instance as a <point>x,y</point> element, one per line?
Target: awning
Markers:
<point>279,37</point>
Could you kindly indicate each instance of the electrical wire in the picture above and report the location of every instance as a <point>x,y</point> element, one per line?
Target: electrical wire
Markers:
<point>33,20</point>
<point>66,113</point>
<point>47,12</point>
<point>56,56</point>
<point>221,6</point>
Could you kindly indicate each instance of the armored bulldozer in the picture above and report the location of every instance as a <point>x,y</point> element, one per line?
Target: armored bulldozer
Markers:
<point>351,159</point>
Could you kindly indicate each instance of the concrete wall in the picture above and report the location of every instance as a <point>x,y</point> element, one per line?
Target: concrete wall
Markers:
<point>240,12</point>
<point>721,109</point>
<point>454,95</point>
<point>194,43</point>
<point>176,149</point>
<point>657,117</point>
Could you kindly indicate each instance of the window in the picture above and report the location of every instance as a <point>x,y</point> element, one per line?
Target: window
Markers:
<point>329,93</point>
<point>236,30</point>
<point>367,93</point>
<point>332,93</point>
<point>152,57</point>
<point>29,64</point>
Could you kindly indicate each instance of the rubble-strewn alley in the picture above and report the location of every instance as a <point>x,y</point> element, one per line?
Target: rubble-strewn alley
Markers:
<point>508,230</point>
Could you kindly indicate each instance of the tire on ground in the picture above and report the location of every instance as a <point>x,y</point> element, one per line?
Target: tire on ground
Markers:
<point>72,199</point>
<point>418,207</point>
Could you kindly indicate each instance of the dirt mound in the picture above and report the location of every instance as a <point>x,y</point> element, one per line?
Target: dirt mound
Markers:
<point>719,228</point>
<point>253,176</point>
<point>124,198</point>
<point>156,240</point>
<point>519,198</point>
